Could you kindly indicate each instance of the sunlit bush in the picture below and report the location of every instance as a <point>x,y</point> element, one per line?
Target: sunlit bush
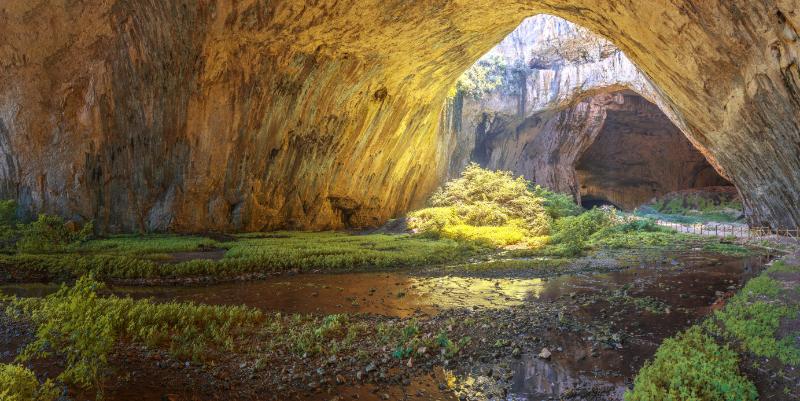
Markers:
<point>692,366</point>
<point>20,384</point>
<point>485,206</point>
<point>557,205</point>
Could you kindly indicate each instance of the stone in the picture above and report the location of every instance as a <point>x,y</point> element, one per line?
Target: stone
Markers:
<point>545,353</point>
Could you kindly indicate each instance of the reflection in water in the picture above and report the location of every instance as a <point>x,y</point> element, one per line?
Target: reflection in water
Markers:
<point>377,293</point>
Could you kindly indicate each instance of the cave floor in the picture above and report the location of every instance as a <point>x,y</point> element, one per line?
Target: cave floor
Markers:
<point>573,329</point>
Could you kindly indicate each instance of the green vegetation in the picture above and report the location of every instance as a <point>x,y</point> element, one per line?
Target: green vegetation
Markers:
<point>50,234</point>
<point>484,206</point>
<point>83,327</point>
<point>486,75</point>
<point>148,244</point>
<point>692,366</point>
<point>20,384</point>
<point>46,234</point>
<point>754,315</point>
<point>572,233</point>
<point>693,209</point>
<point>131,257</point>
<point>557,205</point>
<point>497,209</point>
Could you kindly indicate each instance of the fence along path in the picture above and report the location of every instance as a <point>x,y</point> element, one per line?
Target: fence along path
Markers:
<point>729,230</point>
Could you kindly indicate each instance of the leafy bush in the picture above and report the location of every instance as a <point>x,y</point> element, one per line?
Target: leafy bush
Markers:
<point>692,366</point>
<point>557,205</point>
<point>572,233</point>
<point>84,328</point>
<point>483,205</point>
<point>8,226</point>
<point>8,212</point>
<point>20,384</point>
<point>51,234</point>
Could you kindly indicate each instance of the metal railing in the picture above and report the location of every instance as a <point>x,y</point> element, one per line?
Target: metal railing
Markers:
<point>729,230</point>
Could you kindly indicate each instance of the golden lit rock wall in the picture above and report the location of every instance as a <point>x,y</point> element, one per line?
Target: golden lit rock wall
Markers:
<point>208,115</point>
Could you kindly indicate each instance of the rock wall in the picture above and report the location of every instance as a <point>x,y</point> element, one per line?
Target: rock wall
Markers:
<point>220,115</point>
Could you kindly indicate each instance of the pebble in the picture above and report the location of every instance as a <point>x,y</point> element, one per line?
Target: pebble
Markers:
<point>545,354</point>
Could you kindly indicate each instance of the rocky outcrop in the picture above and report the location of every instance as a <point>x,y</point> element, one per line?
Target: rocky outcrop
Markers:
<point>216,115</point>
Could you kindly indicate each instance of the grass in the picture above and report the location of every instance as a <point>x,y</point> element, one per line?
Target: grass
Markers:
<point>754,315</point>
<point>83,328</point>
<point>693,209</point>
<point>692,366</point>
<point>130,257</point>
<point>148,244</point>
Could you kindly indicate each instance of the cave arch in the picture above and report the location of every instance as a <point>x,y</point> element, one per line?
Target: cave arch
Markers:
<point>254,115</point>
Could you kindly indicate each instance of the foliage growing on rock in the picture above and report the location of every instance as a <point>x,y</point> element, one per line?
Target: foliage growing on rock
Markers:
<point>483,77</point>
<point>754,316</point>
<point>487,206</point>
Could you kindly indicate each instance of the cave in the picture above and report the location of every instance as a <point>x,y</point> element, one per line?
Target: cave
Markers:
<point>227,122</point>
<point>380,199</point>
<point>639,155</point>
<point>568,110</point>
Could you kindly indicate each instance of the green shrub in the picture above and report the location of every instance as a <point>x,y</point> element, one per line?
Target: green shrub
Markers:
<point>692,366</point>
<point>20,384</point>
<point>486,75</point>
<point>51,234</point>
<point>83,327</point>
<point>8,212</point>
<point>572,233</point>
<point>485,206</point>
<point>557,205</point>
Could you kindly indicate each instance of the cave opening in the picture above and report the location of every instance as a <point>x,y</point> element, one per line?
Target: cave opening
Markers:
<point>566,109</point>
<point>638,155</point>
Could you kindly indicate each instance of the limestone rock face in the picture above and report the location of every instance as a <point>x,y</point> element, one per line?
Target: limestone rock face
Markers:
<point>220,115</point>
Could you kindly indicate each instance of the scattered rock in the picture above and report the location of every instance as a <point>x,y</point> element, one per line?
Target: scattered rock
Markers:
<point>545,353</point>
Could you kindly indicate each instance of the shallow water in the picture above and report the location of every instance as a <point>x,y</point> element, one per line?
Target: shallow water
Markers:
<point>688,286</point>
